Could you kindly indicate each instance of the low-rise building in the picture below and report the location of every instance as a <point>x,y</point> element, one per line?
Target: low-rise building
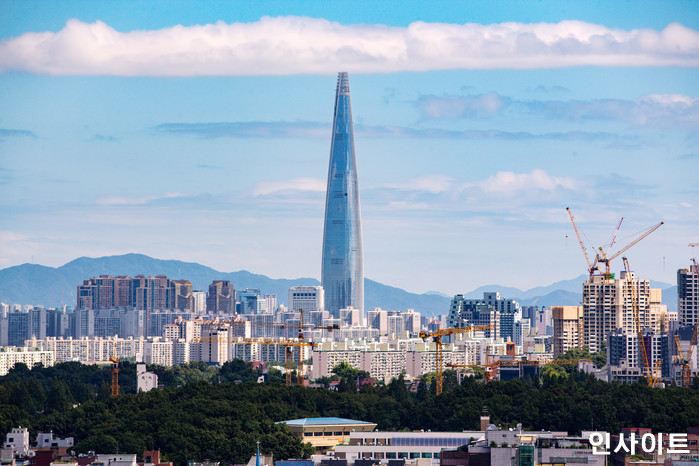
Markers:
<point>327,432</point>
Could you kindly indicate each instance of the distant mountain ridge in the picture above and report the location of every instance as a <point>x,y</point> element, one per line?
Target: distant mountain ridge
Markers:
<point>49,286</point>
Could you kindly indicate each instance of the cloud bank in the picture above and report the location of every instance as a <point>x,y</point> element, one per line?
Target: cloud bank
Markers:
<point>654,109</point>
<point>302,45</point>
<point>312,130</point>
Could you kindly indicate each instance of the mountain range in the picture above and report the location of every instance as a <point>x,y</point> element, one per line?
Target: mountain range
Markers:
<point>53,286</point>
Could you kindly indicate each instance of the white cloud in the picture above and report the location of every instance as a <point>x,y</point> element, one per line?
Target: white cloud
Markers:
<point>433,184</point>
<point>461,107</point>
<point>297,184</point>
<point>509,183</point>
<point>123,200</point>
<point>654,109</point>
<point>670,100</point>
<point>294,45</point>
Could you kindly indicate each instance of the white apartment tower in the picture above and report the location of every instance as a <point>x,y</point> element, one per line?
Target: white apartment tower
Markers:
<point>308,298</point>
<point>607,306</point>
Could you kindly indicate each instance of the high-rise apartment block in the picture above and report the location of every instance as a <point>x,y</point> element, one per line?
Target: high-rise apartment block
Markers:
<point>567,328</point>
<point>199,301</point>
<point>378,319</point>
<point>148,293</point>
<point>342,273</point>
<point>221,298</point>
<point>308,298</point>
<point>608,306</point>
<point>688,296</point>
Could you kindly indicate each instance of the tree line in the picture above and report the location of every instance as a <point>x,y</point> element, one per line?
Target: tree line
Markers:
<point>219,413</point>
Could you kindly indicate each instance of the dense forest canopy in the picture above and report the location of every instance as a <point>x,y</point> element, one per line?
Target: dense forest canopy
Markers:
<point>219,413</point>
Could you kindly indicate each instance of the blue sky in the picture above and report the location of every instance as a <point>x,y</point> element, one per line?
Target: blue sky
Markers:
<point>200,131</point>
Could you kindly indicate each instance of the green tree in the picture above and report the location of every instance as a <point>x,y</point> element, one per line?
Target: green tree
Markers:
<point>59,397</point>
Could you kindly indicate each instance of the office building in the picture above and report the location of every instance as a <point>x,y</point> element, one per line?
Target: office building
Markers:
<point>252,302</point>
<point>342,273</point>
<point>474,312</point>
<point>308,298</point>
<point>504,313</point>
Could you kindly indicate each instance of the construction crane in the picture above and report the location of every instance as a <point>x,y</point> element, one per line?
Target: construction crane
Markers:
<point>611,243</point>
<point>115,376</point>
<point>606,260</point>
<point>491,368</point>
<point>437,338</point>
<point>647,371</point>
<point>684,359</point>
<point>696,266</point>
<point>286,342</point>
<point>591,268</point>
<point>301,328</point>
<point>601,256</point>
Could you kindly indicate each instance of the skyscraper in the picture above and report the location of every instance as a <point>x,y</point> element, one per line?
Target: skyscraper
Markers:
<point>688,295</point>
<point>342,273</point>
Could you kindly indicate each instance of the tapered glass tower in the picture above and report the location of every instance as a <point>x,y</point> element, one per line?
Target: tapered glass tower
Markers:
<point>342,271</point>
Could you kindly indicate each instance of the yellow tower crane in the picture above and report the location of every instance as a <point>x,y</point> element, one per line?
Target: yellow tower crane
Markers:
<point>289,352</point>
<point>115,376</point>
<point>649,372</point>
<point>437,338</point>
<point>683,359</point>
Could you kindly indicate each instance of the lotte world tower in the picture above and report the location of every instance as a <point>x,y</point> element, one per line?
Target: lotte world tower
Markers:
<point>342,272</point>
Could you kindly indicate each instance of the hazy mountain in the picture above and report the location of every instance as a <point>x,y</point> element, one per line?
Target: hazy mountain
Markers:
<point>563,293</point>
<point>48,286</point>
<point>555,298</point>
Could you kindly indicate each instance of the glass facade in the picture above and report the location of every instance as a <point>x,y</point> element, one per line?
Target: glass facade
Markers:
<point>430,441</point>
<point>342,273</point>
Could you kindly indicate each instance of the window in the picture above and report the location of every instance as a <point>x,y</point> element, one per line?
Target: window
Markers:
<point>402,454</point>
<point>427,455</point>
<point>391,455</point>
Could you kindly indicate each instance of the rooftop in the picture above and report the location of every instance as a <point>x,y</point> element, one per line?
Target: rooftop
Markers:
<point>323,421</point>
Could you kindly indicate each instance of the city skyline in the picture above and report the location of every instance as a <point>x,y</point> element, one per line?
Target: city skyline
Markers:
<point>127,128</point>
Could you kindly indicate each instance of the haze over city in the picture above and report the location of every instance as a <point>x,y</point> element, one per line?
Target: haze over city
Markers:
<point>201,132</point>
